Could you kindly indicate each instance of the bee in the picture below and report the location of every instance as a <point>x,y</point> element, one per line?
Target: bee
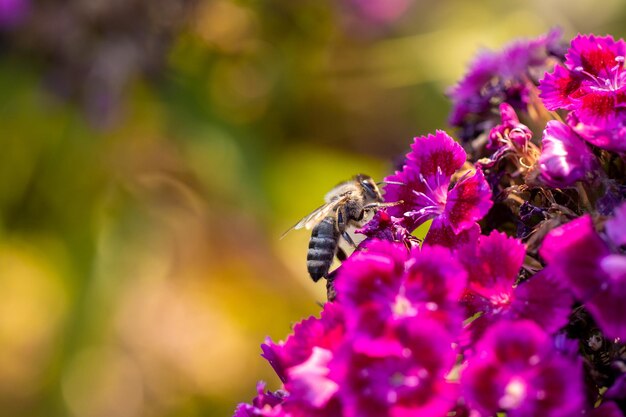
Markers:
<point>345,205</point>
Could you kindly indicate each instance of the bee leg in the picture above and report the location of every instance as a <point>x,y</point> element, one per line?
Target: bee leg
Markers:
<point>341,254</point>
<point>348,239</point>
<point>373,206</point>
<point>330,286</point>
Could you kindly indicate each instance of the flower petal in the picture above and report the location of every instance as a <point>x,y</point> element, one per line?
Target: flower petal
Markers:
<point>515,370</point>
<point>509,129</point>
<point>544,300</point>
<point>573,253</point>
<point>594,54</point>
<point>468,202</point>
<point>565,158</point>
<point>557,87</point>
<point>372,275</point>
<point>608,133</point>
<point>441,233</point>
<point>616,226</point>
<point>424,179</point>
<point>607,306</point>
<point>493,263</point>
<point>325,332</point>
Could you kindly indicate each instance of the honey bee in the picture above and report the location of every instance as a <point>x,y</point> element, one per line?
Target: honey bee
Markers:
<point>345,205</point>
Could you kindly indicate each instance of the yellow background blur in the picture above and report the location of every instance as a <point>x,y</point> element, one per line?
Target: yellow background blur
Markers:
<point>140,260</point>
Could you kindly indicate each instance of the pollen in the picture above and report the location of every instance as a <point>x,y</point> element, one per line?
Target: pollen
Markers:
<point>514,394</point>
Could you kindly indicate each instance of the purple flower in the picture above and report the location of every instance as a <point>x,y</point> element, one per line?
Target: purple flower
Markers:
<point>596,274</point>
<point>516,370</point>
<point>493,266</point>
<point>400,375</point>
<point>423,186</point>
<point>565,158</point>
<point>498,77</point>
<point>265,404</point>
<point>592,85</point>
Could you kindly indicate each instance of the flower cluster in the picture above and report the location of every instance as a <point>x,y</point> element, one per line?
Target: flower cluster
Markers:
<point>508,76</point>
<point>514,302</point>
<point>592,86</point>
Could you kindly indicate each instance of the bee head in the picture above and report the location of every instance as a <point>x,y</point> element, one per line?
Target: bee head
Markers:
<point>369,187</point>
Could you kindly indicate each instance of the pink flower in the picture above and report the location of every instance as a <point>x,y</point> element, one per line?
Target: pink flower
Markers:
<point>423,185</point>
<point>565,157</point>
<point>516,370</point>
<point>592,86</point>
<point>384,284</point>
<point>595,271</point>
<point>402,374</point>
<point>265,404</point>
<point>493,266</point>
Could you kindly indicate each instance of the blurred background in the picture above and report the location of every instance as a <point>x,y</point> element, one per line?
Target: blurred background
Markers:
<point>153,151</point>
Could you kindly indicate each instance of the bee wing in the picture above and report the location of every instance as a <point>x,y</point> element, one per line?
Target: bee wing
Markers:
<point>317,215</point>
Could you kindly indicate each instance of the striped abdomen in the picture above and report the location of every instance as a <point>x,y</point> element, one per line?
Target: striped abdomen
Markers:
<point>322,247</point>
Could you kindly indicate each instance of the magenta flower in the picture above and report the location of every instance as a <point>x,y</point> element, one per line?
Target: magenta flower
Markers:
<point>444,235</point>
<point>543,299</point>
<point>432,286</point>
<point>510,139</point>
<point>302,363</point>
<point>510,133</point>
<point>265,404</point>
<point>565,157</point>
<point>384,284</point>
<point>499,77</point>
<point>402,374</point>
<point>311,386</point>
<point>606,409</point>
<point>325,332</point>
<point>471,325</point>
<point>389,335</point>
<point>617,392</point>
<point>372,276</point>
<point>595,272</point>
<point>616,228</point>
<point>13,12</point>
<point>423,186</point>
<point>386,227</point>
<point>517,371</point>
<point>592,85</point>
<point>493,266</point>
